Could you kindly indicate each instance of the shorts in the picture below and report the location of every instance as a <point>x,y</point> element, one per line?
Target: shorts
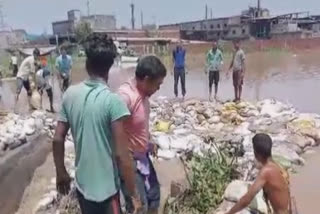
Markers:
<point>23,83</point>
<point>214,77</point>
<point>237,77</point>
<point>109,206</point>
<point>65,80</point>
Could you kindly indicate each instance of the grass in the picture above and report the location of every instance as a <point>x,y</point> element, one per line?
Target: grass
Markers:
<point>209,176</point>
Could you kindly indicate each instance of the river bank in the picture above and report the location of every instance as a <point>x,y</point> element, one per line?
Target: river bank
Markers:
<point>289,77</point>
<point>197,127</point>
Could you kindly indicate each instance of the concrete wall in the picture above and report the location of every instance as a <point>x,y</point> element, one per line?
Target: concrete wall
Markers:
<point>316,27</point>
<point>63,28</point>
<point>286,27</point>
<point>101,22</point>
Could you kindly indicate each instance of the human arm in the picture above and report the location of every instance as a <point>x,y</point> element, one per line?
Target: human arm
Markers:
<point>221,60</point>
<point>173,62</point>
<point>119,113</point>
<point>243,61</point>
<point>249,196</point>
<point>231,64</point>
<point>207,63</point>
<point>62,177</point>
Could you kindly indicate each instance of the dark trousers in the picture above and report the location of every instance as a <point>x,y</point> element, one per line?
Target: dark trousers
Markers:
<point>179,73</point>
<point>15,70</point>
<point>214,77</point>
<point>150,198</point>
<point>109,206</point>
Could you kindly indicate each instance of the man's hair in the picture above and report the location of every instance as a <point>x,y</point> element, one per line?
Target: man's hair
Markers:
<point>101,52</point>
<point>36,52</point>
<point>150,66</point>
<point>63,48</point>
<point>262,145</point>
<point>237,41</point>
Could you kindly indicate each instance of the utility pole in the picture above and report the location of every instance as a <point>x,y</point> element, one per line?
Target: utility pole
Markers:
<point>2,22</point>
<point>88,7</point>
<point>141,16</point>
<point>132,16</point>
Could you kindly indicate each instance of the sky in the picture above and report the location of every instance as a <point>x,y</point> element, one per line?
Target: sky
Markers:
<point>36,16</point>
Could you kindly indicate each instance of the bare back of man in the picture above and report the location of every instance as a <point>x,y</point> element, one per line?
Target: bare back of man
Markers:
<point>276,187</point>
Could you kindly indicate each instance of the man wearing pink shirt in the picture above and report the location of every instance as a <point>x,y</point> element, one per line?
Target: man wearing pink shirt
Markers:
<point>150,73</point>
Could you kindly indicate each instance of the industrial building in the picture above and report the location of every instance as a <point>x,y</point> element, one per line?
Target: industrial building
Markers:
<point>65,29</point>
<point>255,23</point>
<point>227,28</point>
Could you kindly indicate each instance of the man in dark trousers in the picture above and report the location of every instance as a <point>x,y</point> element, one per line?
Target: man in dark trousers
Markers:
<point>178,56</point>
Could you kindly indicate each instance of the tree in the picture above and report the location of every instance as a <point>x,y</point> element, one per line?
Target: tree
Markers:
<point>82,31</point>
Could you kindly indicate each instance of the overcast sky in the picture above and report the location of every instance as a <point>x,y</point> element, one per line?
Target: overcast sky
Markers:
<point>36,16</point>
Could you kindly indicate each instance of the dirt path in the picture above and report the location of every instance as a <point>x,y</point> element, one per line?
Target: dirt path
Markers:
<point>17,171</point>
<point>38,187</point>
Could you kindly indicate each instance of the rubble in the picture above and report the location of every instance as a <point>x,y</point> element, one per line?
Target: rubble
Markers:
<point>194,126</point>
<point>17,130</point>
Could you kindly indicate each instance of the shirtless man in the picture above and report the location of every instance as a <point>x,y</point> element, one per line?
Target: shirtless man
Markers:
<point>272,179</point>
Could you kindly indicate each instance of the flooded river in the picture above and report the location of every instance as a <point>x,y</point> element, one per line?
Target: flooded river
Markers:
<point>289,77</point>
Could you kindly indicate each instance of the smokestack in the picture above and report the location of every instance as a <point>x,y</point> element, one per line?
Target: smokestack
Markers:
<point>259,6</point>
<point>141,16</point>
<point>206,16</point>
<point>132,16</point>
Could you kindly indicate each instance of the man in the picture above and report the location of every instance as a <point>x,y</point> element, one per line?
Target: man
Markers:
<point>26,72</point>
<point>272,179</point>
<point>14,64</point>
<point>95,116</point>
<point>150,73</point>
<point>178,57</point>
<point>238,66</point>
<point>64,66</point>
<point>43,83</point>
<point>214,63</point>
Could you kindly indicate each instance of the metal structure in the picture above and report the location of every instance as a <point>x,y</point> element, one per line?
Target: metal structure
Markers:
<point>132,16</point>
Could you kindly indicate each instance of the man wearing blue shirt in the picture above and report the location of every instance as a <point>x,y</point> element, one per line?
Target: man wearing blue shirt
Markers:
<point>178,56</point>
<point>64,66</point>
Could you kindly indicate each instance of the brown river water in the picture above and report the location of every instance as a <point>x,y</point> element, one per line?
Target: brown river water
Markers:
<point>288,77</point>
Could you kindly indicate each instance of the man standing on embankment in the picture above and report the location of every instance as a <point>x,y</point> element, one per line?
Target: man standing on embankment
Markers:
<point>64,66</point>
<point>214,64</point>
<point>95,116</point>
<point>238,66</point>
<point>150,74</point>
<point>179,70</point>
<point>27,72</point>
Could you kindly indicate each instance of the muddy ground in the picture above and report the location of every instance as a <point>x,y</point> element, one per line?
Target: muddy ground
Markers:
<point>292,77</point>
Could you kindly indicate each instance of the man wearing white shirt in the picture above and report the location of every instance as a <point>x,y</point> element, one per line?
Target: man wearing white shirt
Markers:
<point>26,72</point>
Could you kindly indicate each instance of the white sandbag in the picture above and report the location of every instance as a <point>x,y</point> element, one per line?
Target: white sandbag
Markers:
<point>163,141</point>
<point>214,119</point>
<point>35,100</point>
<point>179,144</point>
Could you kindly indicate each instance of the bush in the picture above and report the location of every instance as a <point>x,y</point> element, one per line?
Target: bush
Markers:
<point>210,175</point>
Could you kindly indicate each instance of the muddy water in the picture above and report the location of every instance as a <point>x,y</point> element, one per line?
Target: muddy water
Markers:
<point>289,77</point>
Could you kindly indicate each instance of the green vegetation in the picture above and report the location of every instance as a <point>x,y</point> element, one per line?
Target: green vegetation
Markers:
<point>82,31</point>
<point>210,175</point>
